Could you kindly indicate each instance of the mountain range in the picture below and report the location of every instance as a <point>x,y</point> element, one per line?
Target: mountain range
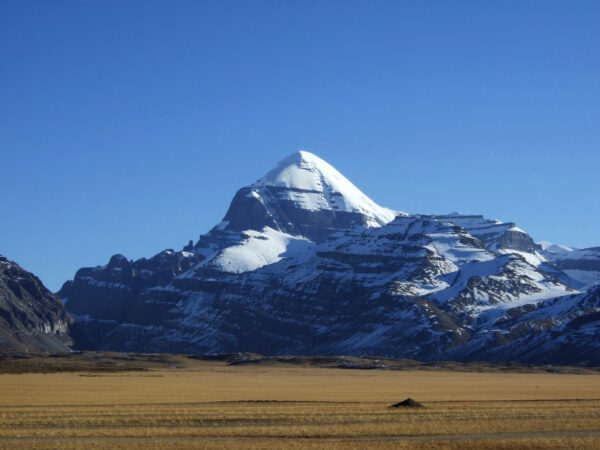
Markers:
<point>305,263</point>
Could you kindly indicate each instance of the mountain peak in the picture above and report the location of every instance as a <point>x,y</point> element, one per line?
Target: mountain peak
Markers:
<point>316,185</point>
<point>302,170</point>
<point>304,196</point>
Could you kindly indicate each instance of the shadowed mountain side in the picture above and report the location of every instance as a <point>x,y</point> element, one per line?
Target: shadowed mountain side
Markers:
<point>31,317</point>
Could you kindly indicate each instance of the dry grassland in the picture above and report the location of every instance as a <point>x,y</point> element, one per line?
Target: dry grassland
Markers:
<point>214,405</point>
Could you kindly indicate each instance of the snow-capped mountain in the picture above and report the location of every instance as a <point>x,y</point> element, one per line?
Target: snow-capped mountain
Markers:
<point>302,201</point>
<point>303,196</point>
<point>304,182</point>
<point>305,263</point>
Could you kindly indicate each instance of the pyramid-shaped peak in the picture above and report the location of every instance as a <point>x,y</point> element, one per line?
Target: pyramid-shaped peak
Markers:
<point>314,184</point>
<point>306,171</point>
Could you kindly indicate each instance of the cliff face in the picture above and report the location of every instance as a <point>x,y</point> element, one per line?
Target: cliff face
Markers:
<point>31,317</point>
<point>110,292</point>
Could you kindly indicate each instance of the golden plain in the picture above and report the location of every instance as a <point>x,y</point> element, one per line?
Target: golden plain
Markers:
<point>212,404</point>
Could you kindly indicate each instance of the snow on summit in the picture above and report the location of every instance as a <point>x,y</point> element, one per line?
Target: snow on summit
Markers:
<point>315,185</point>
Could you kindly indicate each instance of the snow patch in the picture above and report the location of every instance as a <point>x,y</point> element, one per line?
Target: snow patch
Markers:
<point>535,259</point>
<point>258,249</point>
<point>517,229</point>
<point>554,248</point>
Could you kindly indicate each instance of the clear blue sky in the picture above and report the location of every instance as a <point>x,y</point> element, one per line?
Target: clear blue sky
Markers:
<point>127,126</point>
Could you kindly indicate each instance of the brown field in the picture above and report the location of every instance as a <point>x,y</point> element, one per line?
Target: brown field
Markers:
<point>170,401</point>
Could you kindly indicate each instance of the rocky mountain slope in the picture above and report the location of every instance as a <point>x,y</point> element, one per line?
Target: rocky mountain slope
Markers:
<point>580,264</point>
<point>31,317</point>
<point>305,263</point>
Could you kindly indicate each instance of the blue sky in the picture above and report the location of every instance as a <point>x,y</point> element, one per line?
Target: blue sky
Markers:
<point>127,126</point>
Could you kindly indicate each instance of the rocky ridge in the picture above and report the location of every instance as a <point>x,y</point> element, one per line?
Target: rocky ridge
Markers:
<point>31,317</point>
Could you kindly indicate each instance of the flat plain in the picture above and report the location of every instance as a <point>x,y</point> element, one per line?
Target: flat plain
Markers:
<point>167,401</point>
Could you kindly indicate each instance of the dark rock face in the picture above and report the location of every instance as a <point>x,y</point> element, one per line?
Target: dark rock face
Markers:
<point>248,213</point>
<point>110,292</point>
<point>31,317</point>
<point>516,240</point>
